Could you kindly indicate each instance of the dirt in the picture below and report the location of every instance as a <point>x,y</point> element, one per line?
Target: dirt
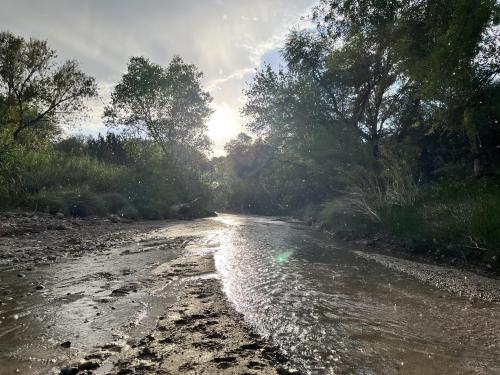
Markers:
<point>45,239</point>
<point>199,334</point>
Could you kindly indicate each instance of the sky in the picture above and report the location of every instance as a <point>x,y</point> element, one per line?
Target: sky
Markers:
<point>226,39</point>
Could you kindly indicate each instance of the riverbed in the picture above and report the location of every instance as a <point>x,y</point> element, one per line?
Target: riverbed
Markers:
<point>329,309</point>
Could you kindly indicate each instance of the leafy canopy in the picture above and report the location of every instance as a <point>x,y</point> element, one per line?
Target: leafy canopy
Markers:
<point>36,93</point>
<point>166,104</point>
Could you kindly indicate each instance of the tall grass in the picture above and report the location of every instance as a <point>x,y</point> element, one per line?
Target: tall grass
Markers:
<point>78,184</point>
<point>460,218</point>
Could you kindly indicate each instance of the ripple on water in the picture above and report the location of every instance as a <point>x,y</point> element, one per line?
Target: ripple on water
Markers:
<point>324,305</point>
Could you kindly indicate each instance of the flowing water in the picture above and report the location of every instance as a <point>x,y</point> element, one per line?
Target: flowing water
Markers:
<point>336,313</point>
<point>330,310</point>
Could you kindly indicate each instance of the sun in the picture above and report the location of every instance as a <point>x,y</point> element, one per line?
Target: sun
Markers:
<point>224,124</point>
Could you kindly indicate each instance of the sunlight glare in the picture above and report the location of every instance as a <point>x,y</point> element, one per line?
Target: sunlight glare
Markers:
<point>224,125</point>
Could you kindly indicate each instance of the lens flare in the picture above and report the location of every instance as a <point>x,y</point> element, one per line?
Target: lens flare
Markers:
<point>283,257</point>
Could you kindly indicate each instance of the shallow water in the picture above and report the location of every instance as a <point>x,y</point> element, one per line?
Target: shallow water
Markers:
<point>89,301</point>
<point>331,311</point>
<point>334,312</point>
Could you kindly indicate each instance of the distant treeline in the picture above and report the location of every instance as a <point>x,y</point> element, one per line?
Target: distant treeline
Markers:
<point>384,122</point>
<point>156,162</point>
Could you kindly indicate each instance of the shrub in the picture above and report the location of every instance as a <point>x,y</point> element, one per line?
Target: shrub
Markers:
<point>85,204</point>
<point>50,201</point>
<point>129,212</point>
<point>115,202</point>
<point>153,209</point>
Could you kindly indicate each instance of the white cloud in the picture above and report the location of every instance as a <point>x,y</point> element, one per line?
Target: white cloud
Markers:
<point>225,39</point>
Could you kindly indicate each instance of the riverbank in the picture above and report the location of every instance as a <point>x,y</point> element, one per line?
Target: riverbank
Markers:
<point>199,334</point>
<point>194,330</point>
<point>38,238</point>
<point>474,281</point>
<point>477,260</point>
<point>145,297</point>
<point>41,238</point>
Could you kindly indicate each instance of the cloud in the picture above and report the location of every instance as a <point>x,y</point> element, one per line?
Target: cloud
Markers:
<point>227,40</point>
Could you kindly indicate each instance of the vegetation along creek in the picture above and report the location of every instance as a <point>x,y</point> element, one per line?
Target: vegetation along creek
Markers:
<point>249,187</point>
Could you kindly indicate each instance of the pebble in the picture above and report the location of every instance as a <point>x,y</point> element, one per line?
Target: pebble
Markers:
<point>66,344</point>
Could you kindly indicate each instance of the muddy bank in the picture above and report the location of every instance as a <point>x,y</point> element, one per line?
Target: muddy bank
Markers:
<point>28,238</point>
<point>460,278</point>
<point>485,262</point>
<point>462,283</point>
<point>199,334</point>
<point>151,302</point>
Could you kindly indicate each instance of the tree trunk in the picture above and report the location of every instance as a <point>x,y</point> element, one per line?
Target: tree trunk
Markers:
<point>375,143</point>
<point>477,166</point>
<point>475,141</point>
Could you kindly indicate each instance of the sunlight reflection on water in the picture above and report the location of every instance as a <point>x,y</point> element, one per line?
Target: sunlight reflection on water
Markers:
<point>333,312</point>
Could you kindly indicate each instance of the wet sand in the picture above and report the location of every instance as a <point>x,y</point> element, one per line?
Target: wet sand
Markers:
<point>199,334</point>
<point>195,329</point>
<point>459,282</point>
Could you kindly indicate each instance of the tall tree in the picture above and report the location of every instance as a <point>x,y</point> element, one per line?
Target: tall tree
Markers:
<point>166,104</point>
<point>355,67</point>
<point>35,91</point>
<point>455,57</point>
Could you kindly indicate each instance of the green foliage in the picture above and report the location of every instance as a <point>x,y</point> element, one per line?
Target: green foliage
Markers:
<point>85,204</point>
<point>49,201</point>
<point>115,202</point>
<point>168,105</point>
<point>380,110</point>
<point>136,176</point>
<point>456,218</point>
<point>35,92</point>
<point>69,177</point>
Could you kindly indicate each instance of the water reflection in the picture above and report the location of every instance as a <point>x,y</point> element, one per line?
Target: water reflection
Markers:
<point>330,311</point>
<point>334,312</point>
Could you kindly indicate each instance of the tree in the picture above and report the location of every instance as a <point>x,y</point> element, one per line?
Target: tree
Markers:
<point>354,66</point>
<point>166,104</point>
<point>35,91</point>
<point>371,56</point>
<point>456,60</point>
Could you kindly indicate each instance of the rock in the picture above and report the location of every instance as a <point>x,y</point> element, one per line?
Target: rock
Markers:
<point>39,287</point>
<point>21,275</point>
<point>88,365</point>
<point>59,215</point>
<point>66,344</point>
<point>74,240</point>
<point>68,371</point>
<point>114,218</point>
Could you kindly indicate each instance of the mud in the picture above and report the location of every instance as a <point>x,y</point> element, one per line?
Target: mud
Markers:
<point>462,283</point>
<point>199,334</point>
<point>103,296</point>
<point>37,238</point>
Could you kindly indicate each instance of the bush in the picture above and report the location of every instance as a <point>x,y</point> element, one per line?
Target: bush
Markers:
<point>85,204</point>
<point>51,202</point>
<point>66,178</point>
<point>129,212</point>
<point>153,210</point>
<point>115,202</point>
